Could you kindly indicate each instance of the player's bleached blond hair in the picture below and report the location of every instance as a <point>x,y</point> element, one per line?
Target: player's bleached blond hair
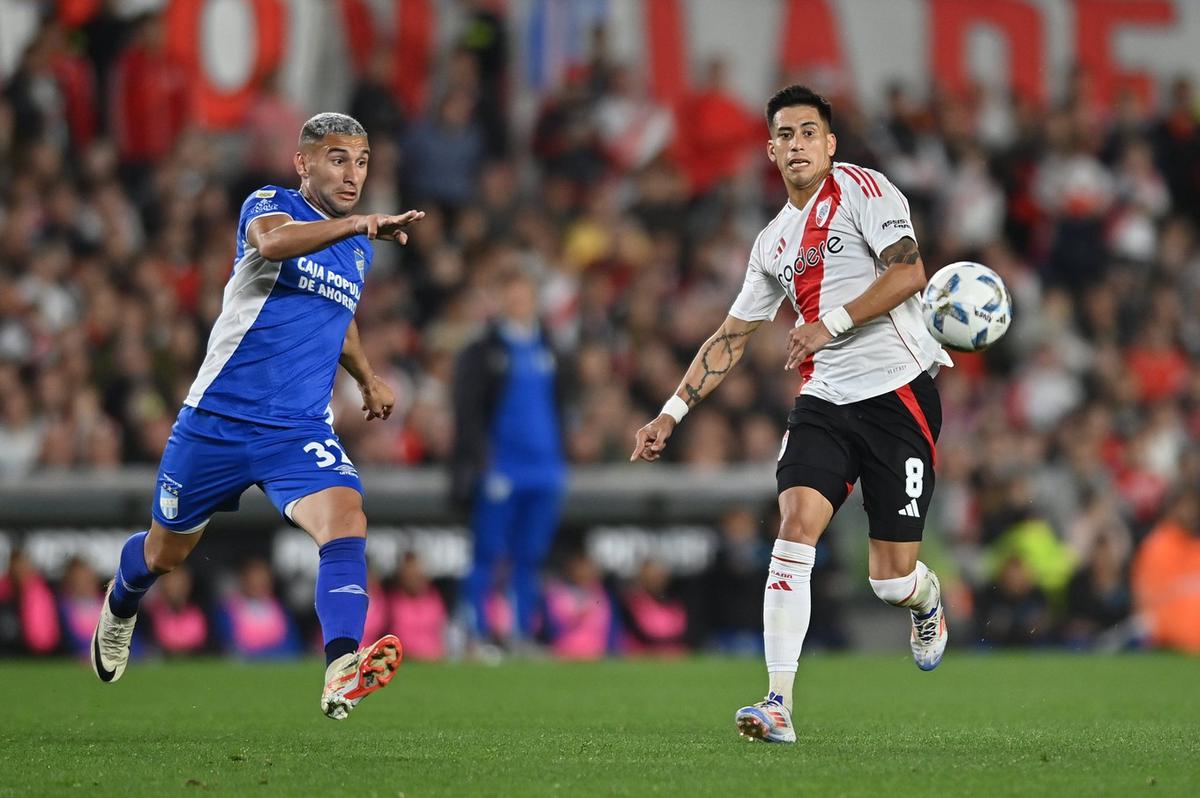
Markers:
<point>329,124</point>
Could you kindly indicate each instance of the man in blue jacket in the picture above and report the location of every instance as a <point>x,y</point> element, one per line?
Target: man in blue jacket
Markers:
<point>508,463</point>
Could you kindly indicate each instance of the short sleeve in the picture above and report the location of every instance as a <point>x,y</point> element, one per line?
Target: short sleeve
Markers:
<point>266,201</point>
<point>761,293</point>
<point>883,215</point>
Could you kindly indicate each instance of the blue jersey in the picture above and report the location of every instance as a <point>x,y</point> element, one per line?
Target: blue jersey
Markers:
<point>273,352</point>
<point>526,444</point>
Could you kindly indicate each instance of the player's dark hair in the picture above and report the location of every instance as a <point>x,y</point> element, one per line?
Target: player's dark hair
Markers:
<point>329,124</point>
<point>798,95</point>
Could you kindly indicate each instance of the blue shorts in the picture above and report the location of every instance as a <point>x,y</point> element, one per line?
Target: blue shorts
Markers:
<point>210,460</point>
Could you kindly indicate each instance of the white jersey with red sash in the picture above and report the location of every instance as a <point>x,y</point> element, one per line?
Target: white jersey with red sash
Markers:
<point>826,255</point>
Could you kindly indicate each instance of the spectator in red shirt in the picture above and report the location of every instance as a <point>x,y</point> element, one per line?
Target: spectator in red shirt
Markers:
<point>150,98</point>
<point>714,132</point>
<point>1157,366</point>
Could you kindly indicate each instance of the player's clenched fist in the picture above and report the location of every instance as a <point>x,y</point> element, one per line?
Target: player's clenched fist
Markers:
<point>804,340</point>
<point>652,439</point>
<point>386,226</point>
<point>378,398</point>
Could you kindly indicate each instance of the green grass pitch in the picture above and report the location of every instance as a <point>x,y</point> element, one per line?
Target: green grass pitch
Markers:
<point>1041,724</point>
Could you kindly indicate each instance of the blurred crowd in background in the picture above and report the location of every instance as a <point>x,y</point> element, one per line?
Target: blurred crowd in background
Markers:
<point>1067,502</point>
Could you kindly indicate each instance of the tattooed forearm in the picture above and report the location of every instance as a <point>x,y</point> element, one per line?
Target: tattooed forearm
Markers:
<point>716,358</point>
<point>903,251</point>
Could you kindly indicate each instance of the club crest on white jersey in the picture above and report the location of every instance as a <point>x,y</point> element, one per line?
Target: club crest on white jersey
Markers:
<point>822,212</point>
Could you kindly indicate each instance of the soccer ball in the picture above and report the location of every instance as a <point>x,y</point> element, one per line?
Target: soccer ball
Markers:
<point>966,306</point>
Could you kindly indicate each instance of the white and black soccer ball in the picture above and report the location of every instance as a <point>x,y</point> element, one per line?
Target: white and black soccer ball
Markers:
<point>966,306</point>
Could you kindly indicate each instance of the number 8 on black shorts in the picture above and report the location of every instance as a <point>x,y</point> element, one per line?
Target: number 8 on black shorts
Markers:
<point>887,442</point>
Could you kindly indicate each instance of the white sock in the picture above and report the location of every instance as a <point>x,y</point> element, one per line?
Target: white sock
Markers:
<point>914,591</point>
<point>787,605</point>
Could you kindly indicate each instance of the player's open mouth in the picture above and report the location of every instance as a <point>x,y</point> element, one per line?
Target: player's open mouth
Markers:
<point>347,195</point>
<point>797,163</point>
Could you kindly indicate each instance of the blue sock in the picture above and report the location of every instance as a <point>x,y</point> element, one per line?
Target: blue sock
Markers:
<point>341,597</point>
<point>528,592</point>
<point>133,578</point>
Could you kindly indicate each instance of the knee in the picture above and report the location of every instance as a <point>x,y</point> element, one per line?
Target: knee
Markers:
<point>345,523</point>
<point>161,559</point>
<point>793,529</point>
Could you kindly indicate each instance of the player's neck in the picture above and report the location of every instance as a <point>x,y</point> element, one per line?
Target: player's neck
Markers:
<point>799,197</point>
<point>315,201</point>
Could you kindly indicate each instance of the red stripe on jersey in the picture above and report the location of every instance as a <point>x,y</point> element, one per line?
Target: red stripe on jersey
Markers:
<point>870,180</point>
<point>806,370</point>
<point>810,264</point>
<point>855,178</point>
<point>910,401</point>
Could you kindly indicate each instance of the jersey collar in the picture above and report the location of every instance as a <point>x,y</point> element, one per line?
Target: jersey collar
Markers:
<point>808,205</point>
<point>320,212</point>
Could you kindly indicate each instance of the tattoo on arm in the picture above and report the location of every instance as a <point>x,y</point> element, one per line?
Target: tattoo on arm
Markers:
<point>903,251</point>
<point>720,345</point>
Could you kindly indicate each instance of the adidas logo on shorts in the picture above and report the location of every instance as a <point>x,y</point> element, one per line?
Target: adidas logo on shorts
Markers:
<point>910,510</point>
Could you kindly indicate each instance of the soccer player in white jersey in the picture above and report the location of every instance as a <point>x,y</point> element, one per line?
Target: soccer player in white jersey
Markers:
<point>843,251</point>
<point>258,411</point>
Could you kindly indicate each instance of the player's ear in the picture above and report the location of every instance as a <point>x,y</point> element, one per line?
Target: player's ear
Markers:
<point>830,144</point>
<point>771,150</point>
<point>301,164</point>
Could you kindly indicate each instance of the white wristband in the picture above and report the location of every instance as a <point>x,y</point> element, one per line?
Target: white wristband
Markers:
<point>676,408</point>
<point>837,321</point>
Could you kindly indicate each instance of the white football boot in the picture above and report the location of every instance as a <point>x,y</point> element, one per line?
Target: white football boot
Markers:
<point>110,642</point>
<point>929,632</point>
<point>351,677</point>
<point>768,720</point>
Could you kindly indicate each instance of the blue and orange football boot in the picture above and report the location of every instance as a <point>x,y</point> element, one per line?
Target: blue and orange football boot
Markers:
<point>929,632</point>
<point>768,720</point>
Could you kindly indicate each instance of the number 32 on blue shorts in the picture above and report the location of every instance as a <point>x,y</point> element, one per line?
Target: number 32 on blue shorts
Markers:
<point>210,460</point>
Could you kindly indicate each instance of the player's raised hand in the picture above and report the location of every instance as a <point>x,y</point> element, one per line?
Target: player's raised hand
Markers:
<point>652,439</point>
<point>804,340</point>
<point>387,226</point>
<point>378,398</point>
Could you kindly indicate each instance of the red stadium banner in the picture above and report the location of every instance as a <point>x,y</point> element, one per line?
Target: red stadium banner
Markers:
<point>1097,23</point>
<point>811,38</point>
<point>1028,46</point>
<point>217,107</point>
<point>1019,23</point>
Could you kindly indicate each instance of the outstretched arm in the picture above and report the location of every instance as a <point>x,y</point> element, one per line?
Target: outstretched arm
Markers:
<point>378,398</point>
<point>278,237</point>
<point>904,276</point>
<point>710,365</point>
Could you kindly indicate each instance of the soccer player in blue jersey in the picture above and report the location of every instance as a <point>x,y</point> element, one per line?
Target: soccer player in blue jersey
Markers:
<point>258,411</point>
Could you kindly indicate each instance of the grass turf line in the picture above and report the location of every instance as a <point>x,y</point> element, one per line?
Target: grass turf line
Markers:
<point>989,725</point>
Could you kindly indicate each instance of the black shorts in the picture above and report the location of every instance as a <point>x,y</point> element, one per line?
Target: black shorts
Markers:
<point>886,441</point>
